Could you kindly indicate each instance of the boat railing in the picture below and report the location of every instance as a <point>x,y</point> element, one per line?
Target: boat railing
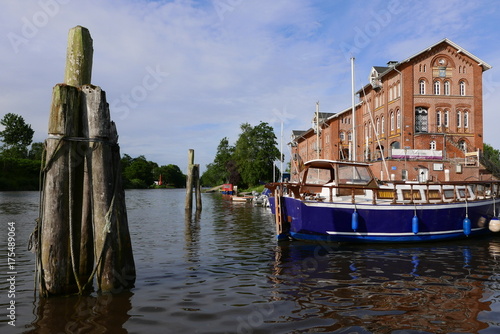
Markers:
<point>395,192</point>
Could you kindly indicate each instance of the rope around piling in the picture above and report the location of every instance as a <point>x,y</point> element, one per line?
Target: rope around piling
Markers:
<point>35,241</point>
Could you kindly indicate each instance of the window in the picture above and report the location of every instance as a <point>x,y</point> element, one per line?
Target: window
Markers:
<point>377,128</point>
<point>446,88</point>
<point>398,119</point>
<point>438,118</point>
<point>349,136</point>
<point>446,118</point>
<point>432,145</point>
<point>466,119</point>
<point>422,87</point>
<point>462,145</point>
<point>459,119</point>
<point>383,124</point>
<point>342,136</point>
<point>462,88</point>
<point>437,87</point>
<point>420,119</point>
<point>392,121</point>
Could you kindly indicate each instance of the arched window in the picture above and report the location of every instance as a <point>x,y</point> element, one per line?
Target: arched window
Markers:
<point>420,119</point>
<point>438,118</point>
<point>349,136</point>
<point>437,87</point>
<point>377,127</point>
<point>459,119</point>
<point>383,124</point>
<point>422,87</point>
<point>432,145</point>
<point>446,120</point>
<point>462,88</point>
<point>462,144</point>
<point>342,135</point>
<point>398,119</point>
<point>392,121</point>
<point>447,88</point>
<point>466,119</point>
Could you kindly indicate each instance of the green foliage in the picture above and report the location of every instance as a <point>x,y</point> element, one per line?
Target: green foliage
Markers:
<point>249,162</point>
<point>16,136</point>
<point>491,159</point>
<point>139,173</point>
<point>218,172</point>
<point>255,153</point>
<point>36,151</point>
<point>171,176</point>
<point>19,174</point>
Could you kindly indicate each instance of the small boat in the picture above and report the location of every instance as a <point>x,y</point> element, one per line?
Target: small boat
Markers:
<point>343,202</point>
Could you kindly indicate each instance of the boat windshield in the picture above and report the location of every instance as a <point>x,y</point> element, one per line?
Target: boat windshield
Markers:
<point>349,174</point>
<point>319,175</point>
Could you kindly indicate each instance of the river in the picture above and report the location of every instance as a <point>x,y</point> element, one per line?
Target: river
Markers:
<point>223,272</point>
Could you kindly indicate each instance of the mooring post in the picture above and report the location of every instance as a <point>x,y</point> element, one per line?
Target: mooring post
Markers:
<point>197,186</point>
<point>190,181</point>
<point>83,221</point>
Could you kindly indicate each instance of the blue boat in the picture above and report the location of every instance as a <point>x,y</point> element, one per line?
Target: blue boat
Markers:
<point>343,202</point>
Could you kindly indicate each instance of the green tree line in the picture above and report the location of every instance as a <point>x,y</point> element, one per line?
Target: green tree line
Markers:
<point>21,160</point>
<point>249,162</point>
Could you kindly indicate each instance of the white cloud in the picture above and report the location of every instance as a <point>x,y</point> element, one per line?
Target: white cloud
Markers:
<point>221,63</point>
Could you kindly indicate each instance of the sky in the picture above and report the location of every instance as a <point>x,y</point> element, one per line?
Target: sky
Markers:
<point>182,75</point>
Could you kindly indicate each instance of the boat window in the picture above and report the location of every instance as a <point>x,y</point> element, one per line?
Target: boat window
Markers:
<point>319,176</point>
<point>434,194</point>
<point>349,174</point>
<point>449,193</point>
<point>407,194</point>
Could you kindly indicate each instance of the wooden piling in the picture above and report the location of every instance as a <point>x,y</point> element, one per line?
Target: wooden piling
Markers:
<point>78,70</point>
<point>190,181</point>
<point>84,228</point>
<point>57,275</point>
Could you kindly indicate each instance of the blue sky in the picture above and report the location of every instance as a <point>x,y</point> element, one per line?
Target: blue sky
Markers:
<point>184,74</point>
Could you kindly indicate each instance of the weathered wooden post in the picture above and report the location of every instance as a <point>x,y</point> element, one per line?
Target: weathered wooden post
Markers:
<point>189,181</point>
<point>192,180</point>
<point>83,217</point>
<point>113,248</point>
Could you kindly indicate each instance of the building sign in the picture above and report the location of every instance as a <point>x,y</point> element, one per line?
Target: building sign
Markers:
<point>417,154</point>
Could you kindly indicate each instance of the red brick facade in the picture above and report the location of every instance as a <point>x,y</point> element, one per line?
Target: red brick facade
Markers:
<point>427,111</point>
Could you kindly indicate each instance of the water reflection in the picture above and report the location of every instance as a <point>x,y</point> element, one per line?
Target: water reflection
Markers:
<point>104,313</point>
<point>381,289</point>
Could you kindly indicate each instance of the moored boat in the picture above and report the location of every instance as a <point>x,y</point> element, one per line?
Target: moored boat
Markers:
<point>342,201</point>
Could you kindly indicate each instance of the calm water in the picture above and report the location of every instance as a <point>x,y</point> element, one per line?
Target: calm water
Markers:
<point>223,272</point>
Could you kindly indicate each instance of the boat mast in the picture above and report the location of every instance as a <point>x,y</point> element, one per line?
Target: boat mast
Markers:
<point>352,152</point>
<point>317,129</point>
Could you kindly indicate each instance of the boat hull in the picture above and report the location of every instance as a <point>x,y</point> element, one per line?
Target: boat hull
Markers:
<point>326,221</point>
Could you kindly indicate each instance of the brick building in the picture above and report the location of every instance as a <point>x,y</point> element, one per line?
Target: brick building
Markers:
<point>427,111</point>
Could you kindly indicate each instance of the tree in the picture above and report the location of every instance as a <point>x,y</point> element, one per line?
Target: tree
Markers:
<point>219,172</point>
<point>255,152</point>
<point>137,172</point>
<point>16,136</point>
<point>171,176</point>
<point>36,151</point>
